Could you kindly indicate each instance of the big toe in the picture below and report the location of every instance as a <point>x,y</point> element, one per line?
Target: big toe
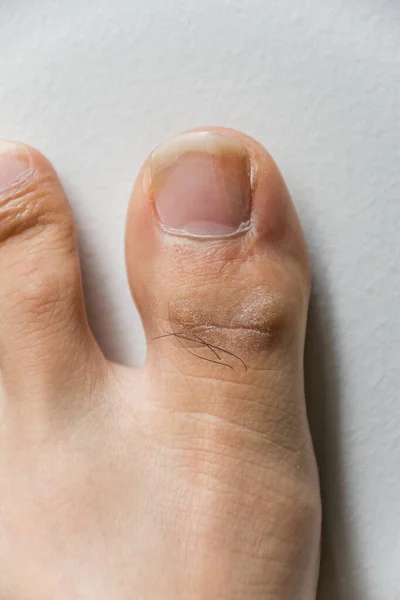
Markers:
<point>219,270</point>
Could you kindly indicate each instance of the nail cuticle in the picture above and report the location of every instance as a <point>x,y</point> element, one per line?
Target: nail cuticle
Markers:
<point>243,229</point>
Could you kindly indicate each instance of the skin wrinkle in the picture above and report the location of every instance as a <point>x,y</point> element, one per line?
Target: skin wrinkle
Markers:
<point>211,347</point>
<point>42,299</point>
<point>265,436</point>
<point>21,209</point>
<point>180,336</point>
<point>265,408</point>
<point>296,512</point>
<point>285,463</point>
<point>226,257</point>
<point>251,340</point>
<point>265,313</point>
<point>265,490</point>
<point>243,429</point>
<point>277,367</point>
<point>254,419</point>
<point>227,390</point>
<point>211,457</point>
<point>278,446</point>
<point>61,241</point>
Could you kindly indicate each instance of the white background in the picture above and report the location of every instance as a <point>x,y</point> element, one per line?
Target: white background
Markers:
<point>96,84</point>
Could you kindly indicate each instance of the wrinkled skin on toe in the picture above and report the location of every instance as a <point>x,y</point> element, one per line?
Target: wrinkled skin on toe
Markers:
<point>193,476</point>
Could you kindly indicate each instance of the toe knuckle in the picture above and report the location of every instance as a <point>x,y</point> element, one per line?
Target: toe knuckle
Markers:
<point>245,318</point>
<point>29,206</point>
<point>39,290</point>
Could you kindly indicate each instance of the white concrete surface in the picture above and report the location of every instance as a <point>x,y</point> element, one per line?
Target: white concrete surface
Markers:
<point>96,84</point>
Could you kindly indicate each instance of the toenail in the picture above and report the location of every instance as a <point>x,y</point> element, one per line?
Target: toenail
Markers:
<point>14,163</point>
<point>201,183</point>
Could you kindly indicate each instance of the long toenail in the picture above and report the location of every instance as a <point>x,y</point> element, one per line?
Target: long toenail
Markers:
<point>14,163</point>
<point>202,185</point>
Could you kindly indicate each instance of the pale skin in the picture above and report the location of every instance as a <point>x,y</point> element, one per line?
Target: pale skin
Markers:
<point>192,477</point>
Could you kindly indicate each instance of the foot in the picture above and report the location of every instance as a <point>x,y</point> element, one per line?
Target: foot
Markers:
<point>194,476</point>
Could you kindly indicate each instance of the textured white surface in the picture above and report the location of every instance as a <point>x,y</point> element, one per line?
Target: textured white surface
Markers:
<point>96,84</point>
